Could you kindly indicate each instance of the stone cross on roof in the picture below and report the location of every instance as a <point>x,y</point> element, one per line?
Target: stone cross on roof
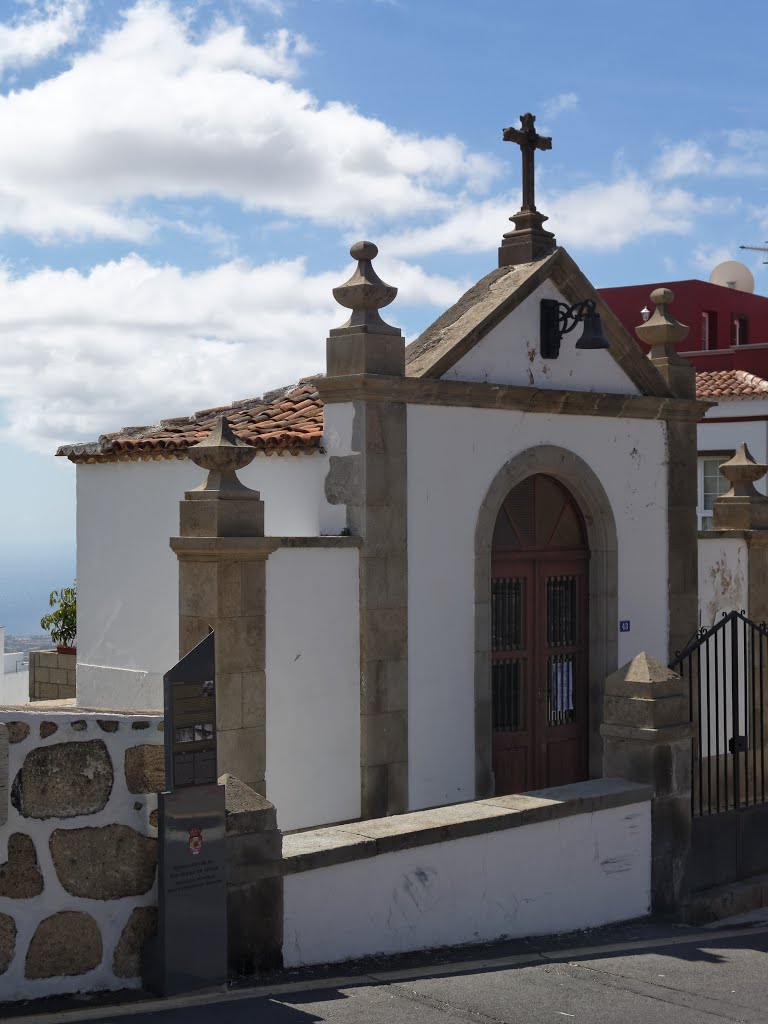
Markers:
<point>528,141</point>
<point>529,241</point>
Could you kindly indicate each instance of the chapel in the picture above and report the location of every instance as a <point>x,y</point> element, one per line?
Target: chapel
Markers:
<point>447,549</point>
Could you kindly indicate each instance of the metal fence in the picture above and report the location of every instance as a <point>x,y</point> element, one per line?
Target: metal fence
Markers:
<point>725,668</point>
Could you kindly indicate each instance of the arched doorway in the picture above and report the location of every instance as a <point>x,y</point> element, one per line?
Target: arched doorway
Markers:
<point>539,638</point>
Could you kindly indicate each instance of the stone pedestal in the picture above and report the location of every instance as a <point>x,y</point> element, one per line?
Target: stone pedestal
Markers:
<point>647,737</point>
<point>529,241</point>
<point>222,583</point>
<point>255,881</point>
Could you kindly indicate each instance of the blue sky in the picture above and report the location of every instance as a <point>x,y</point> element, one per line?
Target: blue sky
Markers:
<point>180,182</point>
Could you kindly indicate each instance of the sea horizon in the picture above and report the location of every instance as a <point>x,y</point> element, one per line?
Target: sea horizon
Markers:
<point>27,577</point>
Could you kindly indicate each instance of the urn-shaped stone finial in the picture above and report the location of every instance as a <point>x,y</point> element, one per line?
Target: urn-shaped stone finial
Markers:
<point>222,454</point>
<point>742,507</point>
<point>742,473</point>
<point>662,332</point>
<point>365,294</point>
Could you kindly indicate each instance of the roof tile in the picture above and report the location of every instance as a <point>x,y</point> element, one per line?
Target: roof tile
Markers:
<point>730,384</point>
<point>291,422</point>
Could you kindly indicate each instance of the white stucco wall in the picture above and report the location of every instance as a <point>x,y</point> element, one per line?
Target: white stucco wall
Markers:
<point>313,685</point>
<point>453,456</point>
<point>571,873</point>
<point>509,354</point>
<point>127,575</point>
<point>723,578</point>
<point>14,680</point>
<point>14,687</point>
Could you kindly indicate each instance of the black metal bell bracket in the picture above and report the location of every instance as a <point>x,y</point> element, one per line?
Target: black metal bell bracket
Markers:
<point>558,318</point>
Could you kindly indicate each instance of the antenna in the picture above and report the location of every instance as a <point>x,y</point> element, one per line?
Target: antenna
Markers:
<point>757,248</point>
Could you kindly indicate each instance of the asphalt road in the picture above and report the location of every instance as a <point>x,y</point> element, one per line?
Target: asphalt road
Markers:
<point>639,973</point>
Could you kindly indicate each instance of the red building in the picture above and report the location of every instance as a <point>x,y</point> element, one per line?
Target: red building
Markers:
<point>729,328</point>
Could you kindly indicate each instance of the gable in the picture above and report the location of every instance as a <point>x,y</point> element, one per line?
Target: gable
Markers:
<point>509,354</point>
<point>503,309</point>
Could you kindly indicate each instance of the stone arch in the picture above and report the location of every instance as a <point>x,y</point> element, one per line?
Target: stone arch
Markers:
<point>596,509</point>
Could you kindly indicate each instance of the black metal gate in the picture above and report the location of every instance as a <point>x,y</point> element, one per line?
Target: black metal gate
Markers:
<point>726,668</point>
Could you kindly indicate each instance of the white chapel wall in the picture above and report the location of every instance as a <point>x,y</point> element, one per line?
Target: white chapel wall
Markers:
<point>313,685</point>
<point>509,354</point>
<point>128,576</point>
<point>453,456</point>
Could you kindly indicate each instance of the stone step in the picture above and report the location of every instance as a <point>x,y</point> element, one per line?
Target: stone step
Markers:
<point>723,901</point>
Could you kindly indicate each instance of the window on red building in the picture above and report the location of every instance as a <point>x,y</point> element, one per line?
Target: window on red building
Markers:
<point>708,329</point>
<point>739,330</point>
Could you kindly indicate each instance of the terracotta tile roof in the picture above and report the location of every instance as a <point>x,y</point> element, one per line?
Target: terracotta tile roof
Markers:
<point>730,384</point>
<point>287,421</point>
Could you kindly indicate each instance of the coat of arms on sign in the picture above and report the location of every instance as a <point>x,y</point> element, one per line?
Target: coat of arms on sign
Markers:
<point>195,840</point>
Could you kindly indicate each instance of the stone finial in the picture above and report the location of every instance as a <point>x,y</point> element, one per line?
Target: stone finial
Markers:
<point>641,671</point>
<point>365,294</point>
<point>222,454</point>
<point>742,507</point>
<point>662,332</point>
<point>742,473</point>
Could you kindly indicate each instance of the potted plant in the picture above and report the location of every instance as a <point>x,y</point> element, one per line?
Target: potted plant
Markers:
<point>61,623</point>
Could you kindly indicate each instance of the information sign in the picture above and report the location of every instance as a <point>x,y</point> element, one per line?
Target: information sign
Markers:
<point>191,947</point>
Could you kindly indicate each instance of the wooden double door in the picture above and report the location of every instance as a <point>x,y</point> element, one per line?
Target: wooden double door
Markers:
<point>539,639</point>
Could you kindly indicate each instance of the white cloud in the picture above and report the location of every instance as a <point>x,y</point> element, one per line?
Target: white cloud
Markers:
<point>152,112</point>
<point>270,6</point>
<point>557,105</point>
<point>739,154</point>
<point>706,257</point>
<point>470,227</point>
<point>684,158</point>
<point>34,38</point>
<point>130,343</point>
<point>601,216</point>
<point>605,216</point>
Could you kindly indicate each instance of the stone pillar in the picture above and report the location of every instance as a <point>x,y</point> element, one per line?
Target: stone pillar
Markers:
<point>222,556</point>
<point>647,737</point>
<point>372,483</point>
<point>663,333</point>
<point>254,881</point>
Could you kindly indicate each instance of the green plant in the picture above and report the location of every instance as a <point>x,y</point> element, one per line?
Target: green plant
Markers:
<point>61,623</point>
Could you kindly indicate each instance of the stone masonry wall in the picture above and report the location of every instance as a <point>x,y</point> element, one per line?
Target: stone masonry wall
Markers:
<point>78,850</point>
<point>51,675</point>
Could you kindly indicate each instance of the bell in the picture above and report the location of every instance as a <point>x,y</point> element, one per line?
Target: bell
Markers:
<point>592,336</point>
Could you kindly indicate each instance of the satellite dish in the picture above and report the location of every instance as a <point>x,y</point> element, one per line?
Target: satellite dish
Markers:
<point>732,274</point>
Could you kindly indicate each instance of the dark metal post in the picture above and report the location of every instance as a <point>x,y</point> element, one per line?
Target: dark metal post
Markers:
<point>735,736</point>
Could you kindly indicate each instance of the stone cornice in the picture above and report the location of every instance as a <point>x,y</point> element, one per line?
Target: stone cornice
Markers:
<point>478,395</point>
<point>201,549</point>
<point>223,549</point>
